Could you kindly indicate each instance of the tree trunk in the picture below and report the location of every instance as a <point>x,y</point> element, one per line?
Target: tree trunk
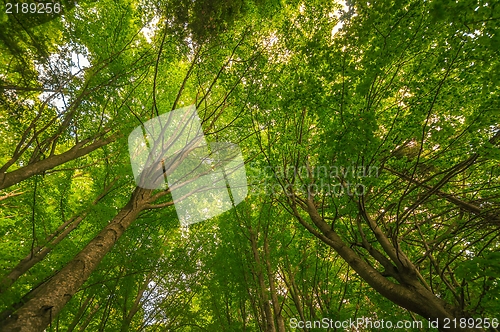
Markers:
<point>262,285</point>
<point>23,173</point>
<point>37,313</point>
<point>272,288</point>
<point>409,293</point>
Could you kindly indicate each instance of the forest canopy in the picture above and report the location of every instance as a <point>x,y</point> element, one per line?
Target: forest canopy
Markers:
<point>356,145</point>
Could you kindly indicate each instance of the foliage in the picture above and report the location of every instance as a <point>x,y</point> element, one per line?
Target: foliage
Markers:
<point>370,133</point>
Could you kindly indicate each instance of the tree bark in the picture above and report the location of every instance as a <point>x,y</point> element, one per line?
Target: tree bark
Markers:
<point>409,293</point>
<point>23,173</point>
<point>37,313</point>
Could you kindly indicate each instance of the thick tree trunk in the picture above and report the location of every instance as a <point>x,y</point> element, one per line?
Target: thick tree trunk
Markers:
<point>23,173</point>
<point>37,313</point>
<point>409,293</point>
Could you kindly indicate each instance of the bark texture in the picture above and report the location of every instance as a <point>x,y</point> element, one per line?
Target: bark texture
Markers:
<point>23,173</point>
<point>409,293</point>
<point>47,301</point>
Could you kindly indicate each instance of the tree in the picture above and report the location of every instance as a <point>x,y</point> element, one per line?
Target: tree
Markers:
<point>385,228</point>
<point>371,142</point>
